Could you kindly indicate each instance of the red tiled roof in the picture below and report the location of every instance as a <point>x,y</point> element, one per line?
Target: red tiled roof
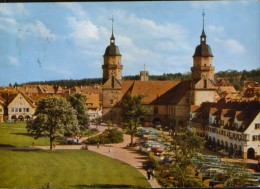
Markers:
<point>157,92</point>
<point>194,108</point>
<point>213,111</point>
<point>228,89</point>
<point>92,100</point>
<point>227,112</point>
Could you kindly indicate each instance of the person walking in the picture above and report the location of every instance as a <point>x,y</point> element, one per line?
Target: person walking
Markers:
<point>98,145</point>
<point>148,174</point>
<point>152,173</point>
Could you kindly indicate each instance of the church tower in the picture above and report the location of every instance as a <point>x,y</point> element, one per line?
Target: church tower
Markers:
<point>112,81</point>
<point>203,83</point>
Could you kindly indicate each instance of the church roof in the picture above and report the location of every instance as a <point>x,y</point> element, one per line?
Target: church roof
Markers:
<point>157,92</point>
<point>203,50</point>
<point>112,50</point>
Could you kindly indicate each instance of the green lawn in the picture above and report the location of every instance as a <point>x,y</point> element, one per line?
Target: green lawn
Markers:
<point>15,134</point>
<point>64,169</point>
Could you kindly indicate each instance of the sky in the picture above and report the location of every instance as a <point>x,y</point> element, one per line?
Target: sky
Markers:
<point>53,41</point>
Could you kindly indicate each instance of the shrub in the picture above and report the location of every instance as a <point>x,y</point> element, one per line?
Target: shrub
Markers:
<point>107,137</point>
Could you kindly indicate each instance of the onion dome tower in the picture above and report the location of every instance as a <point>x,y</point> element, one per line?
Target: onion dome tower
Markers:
<point>203,84</point>
<point>112,81</point>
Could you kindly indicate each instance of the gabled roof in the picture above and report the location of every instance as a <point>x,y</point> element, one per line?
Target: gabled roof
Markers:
<point>240,115</point>
<point>213,111</point>
<point>93,99</point>
<point>194,108</point>
<point>227,112</point>
<point>36,97</point>
<point>13,96</point>
<point>157,92</point>
<point>112,82</point>
<point>228,89</point>
<point>87,89</point>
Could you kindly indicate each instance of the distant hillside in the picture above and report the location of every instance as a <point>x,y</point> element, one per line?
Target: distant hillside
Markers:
<point>235,77</point>
<point>68,83</point>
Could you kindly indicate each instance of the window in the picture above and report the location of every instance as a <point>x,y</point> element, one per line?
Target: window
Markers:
<point>27,110</point>
<point>16,109</point>
<point>257,126</point>
<point>20,109</point>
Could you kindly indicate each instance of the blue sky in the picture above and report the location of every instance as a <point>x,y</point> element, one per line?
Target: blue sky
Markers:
<point>52,41</point>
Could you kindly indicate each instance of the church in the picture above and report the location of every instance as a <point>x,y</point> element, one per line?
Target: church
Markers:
<point>169,102</point>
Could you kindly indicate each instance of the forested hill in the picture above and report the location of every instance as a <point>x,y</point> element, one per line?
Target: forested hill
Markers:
<point>235,77</point>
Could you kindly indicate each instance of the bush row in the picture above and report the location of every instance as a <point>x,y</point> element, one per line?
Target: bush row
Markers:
<point>107,137</point>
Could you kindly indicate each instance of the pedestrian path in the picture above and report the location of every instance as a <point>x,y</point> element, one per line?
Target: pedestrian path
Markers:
<point>128,155</point>
<point>118,151</point>
<point>123,153</point>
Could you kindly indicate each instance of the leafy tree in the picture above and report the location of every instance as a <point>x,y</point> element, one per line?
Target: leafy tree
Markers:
<point>132,112</point>
<point>187,146</point>
<point>234,174</point>
<point>78,102</point>
<point>54,117</point>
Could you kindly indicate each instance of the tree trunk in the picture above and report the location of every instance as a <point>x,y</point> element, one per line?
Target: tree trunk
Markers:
<point>132,139</point>
<point>51,143</point>
<point>51,138</point>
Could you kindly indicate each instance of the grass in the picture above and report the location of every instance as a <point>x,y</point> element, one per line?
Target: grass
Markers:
<point>15,134</point>
<point>64,169</point>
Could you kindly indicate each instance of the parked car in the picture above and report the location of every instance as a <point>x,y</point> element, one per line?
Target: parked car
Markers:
<point>9,121</point>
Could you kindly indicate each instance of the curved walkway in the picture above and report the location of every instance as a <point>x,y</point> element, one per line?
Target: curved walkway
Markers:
<point>118,151</point>
<point>121,152</point>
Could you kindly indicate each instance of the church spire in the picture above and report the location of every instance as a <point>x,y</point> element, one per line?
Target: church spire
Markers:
<point>112,38</point>
<point>203,35</point>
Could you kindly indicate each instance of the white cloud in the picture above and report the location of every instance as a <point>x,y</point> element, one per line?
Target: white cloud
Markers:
<point>74,7</point>
<point>12,61</point>
<point>10,9</point>
<point>8,20</point>
<point>83,31</point>
<point>232,45</point>
<point>8,24</point>
<point>38,29</point>
<point>215,28</point>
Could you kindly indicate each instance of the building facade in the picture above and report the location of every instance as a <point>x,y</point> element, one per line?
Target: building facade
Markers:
<point>232,126</point>
<point>169,102</point>
<point>20,108</point>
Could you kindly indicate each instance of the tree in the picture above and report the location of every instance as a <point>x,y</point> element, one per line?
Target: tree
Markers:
<point>132,112</point>
<point>78,102</point>
<point>235,174</point>
<point>53,118</point>
<point>187,146</point>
